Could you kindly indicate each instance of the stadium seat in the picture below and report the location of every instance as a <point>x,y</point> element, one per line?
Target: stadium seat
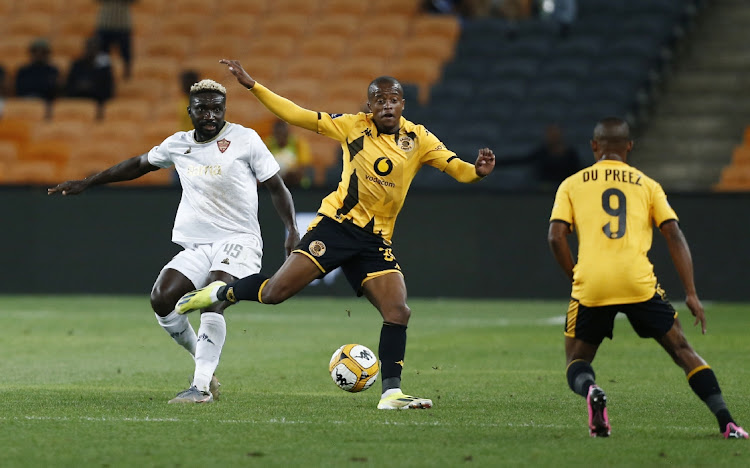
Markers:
<point>334,25</point>
<point>116,133</point>
<point>486,30</point>
<point>463,68</point>
<point>234,7</point>
<point>174,46</point>
<point>177,23</point>
<point>299,90</point>
<point>362,46</point>
<point>164,68</point>
<point>741,155</point>
<point>400,7</point>
<point>397,26</point>
<point>536,28</point>
<point>217,46</point>
<point>73,24</point>
<point>15,131</point>
<point>499,91</point>
<point>189,7</point>
<point>310,66</point>
<point>526,47</point>
<point>565,68</point>
<point>439,47</point>
<point>9,150</point>
<point>452,93</point>
<point>304,7</point>
<point>54,151</point>
<point>333,7</point>
<point>360,68</point>
<point>152,88</point>
<point>323,46</point>
<point>238,26</point>
<point>68,132</point>
<point>514,68</point>
<point>420,71</point>
<point>32,172</point>
<point>68,48</point>
<point>444,26</point>
<point>14,50</point>
<point>27,109</point>
<point>264,46</point>
<point>348,89</point>
<point>289,25</point>
<point>128,110</point>
<point>581,46</point>
<point>29,23</point>
<point>549,90</point>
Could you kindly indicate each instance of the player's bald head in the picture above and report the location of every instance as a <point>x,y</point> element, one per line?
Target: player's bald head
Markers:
<point>612,130</point>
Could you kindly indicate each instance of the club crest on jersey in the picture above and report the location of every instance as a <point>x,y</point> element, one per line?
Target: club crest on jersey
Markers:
<point>405,143</point>
<point>317,248</point>
<point>223,144</point>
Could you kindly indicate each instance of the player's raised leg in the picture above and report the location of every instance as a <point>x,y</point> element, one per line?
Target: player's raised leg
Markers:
<point>387,293</point>
<point>297,272</point>
<point>702,380</point>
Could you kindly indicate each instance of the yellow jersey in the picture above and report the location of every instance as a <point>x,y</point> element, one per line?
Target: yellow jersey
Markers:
<point>379,168</point>
<point>612,207</point>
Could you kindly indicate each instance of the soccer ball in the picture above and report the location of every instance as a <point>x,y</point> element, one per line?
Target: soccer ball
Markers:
<point>354,368</point>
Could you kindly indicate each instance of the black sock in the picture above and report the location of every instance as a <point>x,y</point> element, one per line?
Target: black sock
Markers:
<point>392,349</point>
<point>705,385</point>
<point>245,289</point>
<point>580,377</point>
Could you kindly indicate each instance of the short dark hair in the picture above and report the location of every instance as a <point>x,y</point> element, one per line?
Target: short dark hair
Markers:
<point>385,79</point>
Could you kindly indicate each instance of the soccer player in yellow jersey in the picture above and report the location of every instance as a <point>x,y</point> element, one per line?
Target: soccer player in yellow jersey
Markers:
<point>382,154</point>
<point>612,208</point>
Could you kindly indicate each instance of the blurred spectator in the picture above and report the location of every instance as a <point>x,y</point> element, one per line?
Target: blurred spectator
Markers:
<point>90,76</point>
<point>3,90</point>
<point>447,7</point>
<point>552,161</point>
<point>114,26</point>
<point>39,78</point>
<point>187,79</point>
<point>564,12</point>
<point>292,153</point>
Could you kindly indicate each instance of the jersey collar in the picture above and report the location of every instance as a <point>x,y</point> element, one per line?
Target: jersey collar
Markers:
<point>221,133</point>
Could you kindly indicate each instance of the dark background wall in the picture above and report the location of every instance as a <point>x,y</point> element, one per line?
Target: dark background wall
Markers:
<point>450,243</point>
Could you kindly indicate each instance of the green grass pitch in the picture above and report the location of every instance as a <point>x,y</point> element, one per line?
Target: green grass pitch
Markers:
<point>85,382</point>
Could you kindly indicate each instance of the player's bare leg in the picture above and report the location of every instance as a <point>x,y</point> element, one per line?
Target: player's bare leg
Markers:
<point>582,380</point>
<point>388,294</point>
<point>701,379</point>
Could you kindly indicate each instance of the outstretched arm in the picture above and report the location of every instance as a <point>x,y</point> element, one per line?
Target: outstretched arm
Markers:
<point>282,107</point>
<point>557,238</point>
<point>282,201</point>
<point>126,170</point>
<point>466,173</point>
<point>683,262</point>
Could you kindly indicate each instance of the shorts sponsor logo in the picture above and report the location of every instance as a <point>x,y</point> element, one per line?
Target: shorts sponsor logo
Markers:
<point>223,144</point>
<point>317,248</point>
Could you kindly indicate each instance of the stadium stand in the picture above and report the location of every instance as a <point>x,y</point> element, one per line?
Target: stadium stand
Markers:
<point>507,78</point>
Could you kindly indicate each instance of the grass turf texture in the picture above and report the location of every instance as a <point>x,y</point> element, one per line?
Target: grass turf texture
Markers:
<point>86,381</point>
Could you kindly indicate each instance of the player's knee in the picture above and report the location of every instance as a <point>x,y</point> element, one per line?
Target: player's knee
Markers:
<point>160,303</point>
<point>399,314</point>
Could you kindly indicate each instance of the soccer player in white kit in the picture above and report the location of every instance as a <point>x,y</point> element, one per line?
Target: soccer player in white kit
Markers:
<point>220,165</point>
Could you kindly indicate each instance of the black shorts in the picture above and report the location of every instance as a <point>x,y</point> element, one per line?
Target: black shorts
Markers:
<point>650,319</point>
<point>360,254</point>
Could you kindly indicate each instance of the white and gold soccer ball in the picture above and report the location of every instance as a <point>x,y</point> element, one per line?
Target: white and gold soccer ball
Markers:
<point>354,367</point>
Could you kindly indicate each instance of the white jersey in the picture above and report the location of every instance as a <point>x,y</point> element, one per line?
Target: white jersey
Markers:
<point>219,181</point>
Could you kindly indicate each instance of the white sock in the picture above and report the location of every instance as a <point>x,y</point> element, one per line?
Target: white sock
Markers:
<point>390,392</point>
<point>211,336</point>
<point>180,330</point>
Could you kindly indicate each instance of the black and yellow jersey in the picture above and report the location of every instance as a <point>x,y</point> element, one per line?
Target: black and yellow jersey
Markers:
<point>378,169</point>
<point>612,207</point>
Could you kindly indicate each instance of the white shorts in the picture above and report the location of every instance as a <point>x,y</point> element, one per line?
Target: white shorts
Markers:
<point>239,256</point>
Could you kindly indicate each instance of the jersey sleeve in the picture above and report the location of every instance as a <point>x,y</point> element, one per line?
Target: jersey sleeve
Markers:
<point>160,156</point>
<point>662,211</point>
<point>261,161</point>
<point>562,210</point>
<point>336,126</point>
<point>434,152</point>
